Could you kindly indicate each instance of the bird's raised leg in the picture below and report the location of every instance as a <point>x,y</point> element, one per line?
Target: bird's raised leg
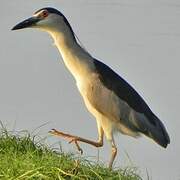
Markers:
<point>113,153</point>
<point>75,139</point>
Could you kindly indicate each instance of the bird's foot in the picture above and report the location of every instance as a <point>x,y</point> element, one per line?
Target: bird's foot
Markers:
<point>75,140</point>
<point>72,138</point>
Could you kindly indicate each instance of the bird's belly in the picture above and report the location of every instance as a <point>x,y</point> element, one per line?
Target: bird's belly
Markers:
<point>105,123</point>
<point>99,100</point>
<point>107,108</point>
<point>83,87</point>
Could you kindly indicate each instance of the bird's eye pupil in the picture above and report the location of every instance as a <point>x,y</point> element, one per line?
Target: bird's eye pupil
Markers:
<point>45,13</point>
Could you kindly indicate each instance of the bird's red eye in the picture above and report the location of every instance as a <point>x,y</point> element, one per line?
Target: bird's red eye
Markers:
<point>45,14</point>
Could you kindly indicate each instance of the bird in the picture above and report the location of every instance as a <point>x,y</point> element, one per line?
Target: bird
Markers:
<point>115,104</point>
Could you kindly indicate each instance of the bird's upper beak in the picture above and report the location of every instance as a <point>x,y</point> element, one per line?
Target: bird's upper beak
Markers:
<point>30,22</point>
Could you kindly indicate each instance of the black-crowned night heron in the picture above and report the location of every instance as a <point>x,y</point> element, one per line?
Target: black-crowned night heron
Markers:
<point>113,102</point>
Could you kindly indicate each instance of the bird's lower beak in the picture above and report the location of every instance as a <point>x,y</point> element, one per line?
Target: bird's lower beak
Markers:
<point>26,23</point>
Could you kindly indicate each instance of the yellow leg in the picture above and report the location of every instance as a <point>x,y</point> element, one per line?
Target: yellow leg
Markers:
<point>75,139</point>
<point>113,153</point>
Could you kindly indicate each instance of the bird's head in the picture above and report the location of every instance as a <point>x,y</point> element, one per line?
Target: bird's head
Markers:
<point>47,19</point>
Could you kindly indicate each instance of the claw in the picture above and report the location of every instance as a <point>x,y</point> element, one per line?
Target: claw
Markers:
<point>52,131</point>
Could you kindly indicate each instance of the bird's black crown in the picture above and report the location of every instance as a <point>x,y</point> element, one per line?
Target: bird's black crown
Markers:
<point>51,10</point>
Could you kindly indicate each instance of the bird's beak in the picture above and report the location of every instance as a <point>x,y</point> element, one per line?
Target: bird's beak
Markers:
<point>30,22</point>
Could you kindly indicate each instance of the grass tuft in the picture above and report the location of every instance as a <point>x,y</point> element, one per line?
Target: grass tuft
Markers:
<point>21,158</point>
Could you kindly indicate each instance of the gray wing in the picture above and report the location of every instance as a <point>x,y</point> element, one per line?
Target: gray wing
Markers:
<point>122,89</point>
<point>113,96</point>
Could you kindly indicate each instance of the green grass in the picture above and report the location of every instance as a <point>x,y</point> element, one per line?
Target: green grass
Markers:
<point>21,158</point>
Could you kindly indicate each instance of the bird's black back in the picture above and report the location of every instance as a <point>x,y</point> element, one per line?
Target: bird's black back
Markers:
<point>122,89</point>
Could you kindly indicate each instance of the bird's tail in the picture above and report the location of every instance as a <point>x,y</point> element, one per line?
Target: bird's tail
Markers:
<point>158,132</point>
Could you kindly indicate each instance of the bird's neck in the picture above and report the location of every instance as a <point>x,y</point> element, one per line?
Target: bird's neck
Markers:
<point>76,59</point>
